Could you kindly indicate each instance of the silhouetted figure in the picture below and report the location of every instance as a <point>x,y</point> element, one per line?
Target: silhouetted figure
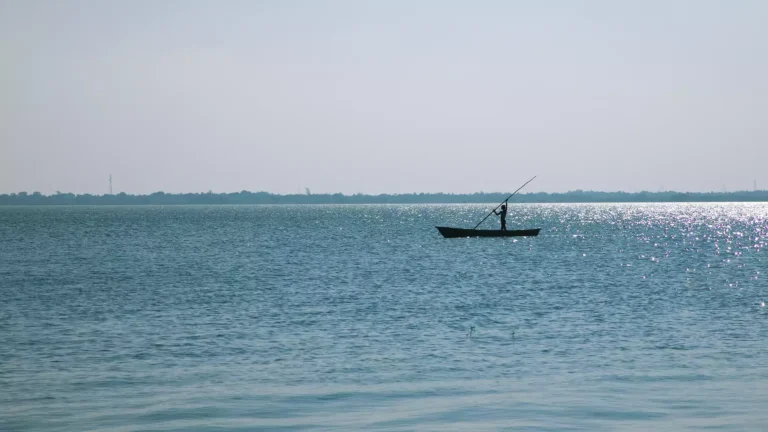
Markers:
<point>503,214</point>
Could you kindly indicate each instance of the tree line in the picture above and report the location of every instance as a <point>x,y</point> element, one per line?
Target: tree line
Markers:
<point>246,197</point>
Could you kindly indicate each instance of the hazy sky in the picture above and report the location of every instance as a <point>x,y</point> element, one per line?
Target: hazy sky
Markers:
<point>385,96</point>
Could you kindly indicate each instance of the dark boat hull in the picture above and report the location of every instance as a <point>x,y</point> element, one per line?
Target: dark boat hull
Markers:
<point>463,232</point>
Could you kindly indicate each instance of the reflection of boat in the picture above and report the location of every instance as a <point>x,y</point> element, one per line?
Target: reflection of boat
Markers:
<point>466,232</point>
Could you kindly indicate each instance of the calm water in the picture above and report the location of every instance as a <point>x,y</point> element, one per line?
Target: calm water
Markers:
<point>617,317</point>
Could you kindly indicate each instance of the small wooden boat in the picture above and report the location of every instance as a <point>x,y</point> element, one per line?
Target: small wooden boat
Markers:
<point>466,232</point>
<point>474,232</point>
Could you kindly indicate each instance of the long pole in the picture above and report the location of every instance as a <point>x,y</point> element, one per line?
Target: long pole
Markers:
<point>492,211</point>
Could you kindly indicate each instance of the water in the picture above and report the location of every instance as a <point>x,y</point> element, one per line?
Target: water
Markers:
<point>617,317</point>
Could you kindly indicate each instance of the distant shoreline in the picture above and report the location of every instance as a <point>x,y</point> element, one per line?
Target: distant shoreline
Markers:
<point>572,197</point>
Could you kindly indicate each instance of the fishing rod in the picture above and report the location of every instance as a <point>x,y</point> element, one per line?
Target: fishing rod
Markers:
<point>494,210</point>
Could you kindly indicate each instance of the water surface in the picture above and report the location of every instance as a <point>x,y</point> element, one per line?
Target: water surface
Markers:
<point>240,318</point>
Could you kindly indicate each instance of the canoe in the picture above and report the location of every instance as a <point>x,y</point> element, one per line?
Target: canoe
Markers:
<point>464,232</point>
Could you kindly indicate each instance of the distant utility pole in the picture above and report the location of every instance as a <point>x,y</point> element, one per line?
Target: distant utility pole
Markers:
<point>110,184</point>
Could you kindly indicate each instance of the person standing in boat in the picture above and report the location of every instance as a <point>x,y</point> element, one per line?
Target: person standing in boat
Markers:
<point>503,214</point>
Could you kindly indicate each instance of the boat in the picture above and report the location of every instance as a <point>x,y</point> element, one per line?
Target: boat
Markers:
<point>448,232</point>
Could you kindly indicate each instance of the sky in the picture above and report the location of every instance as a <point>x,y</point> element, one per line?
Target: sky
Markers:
<point>390,96</point>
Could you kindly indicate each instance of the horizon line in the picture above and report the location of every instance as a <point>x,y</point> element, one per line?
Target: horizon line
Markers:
<point>211,192</point>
